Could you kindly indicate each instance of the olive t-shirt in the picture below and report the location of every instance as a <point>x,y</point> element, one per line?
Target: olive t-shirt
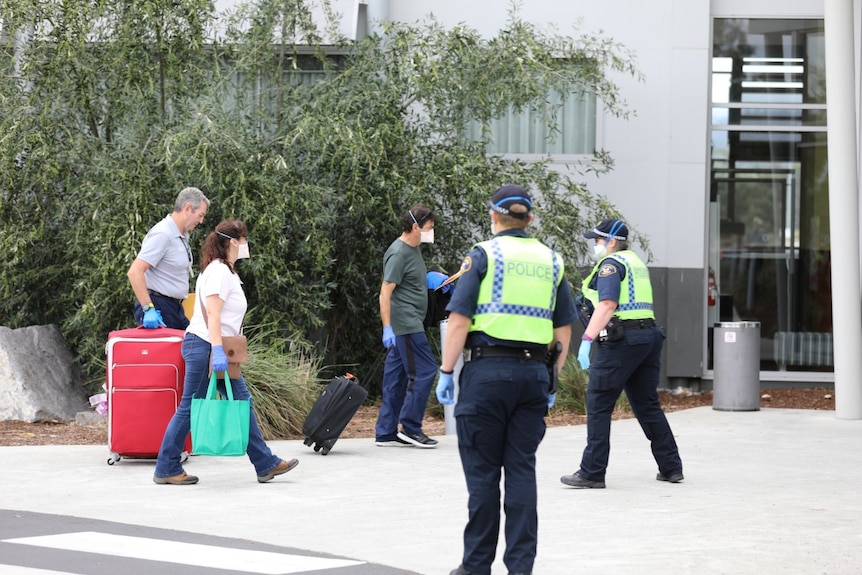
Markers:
<point>403,265</point>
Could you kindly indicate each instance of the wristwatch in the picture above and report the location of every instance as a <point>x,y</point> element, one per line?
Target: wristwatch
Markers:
<point>145,307</point>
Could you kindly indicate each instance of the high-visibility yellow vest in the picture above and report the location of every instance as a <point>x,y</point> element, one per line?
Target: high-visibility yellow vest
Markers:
<point>636,291</point>
<point>518,294</point>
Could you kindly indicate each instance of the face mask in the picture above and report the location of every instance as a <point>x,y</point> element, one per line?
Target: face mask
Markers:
<point>493,228</point>
<point>242,251</point>
<point>426,236</point>
<point>599,251</point>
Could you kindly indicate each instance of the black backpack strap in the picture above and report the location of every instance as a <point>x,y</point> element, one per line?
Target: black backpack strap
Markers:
<point>411,364</point>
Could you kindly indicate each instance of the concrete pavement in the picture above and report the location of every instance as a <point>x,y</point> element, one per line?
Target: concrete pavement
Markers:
<point>771,491</point>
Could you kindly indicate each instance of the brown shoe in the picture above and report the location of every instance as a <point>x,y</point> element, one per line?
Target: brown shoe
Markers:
<point>181,479</point>
<point>282,467</point>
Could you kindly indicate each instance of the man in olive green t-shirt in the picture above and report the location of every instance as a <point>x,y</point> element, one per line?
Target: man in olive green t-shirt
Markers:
<point>410,366</point>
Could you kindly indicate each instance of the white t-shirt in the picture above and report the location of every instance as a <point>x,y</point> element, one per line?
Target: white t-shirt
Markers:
<point>217,279</point>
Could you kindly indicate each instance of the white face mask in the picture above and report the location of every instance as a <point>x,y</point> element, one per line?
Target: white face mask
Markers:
<point>493,227</point>
<point>426,236</point>
<point>242,251</point>
<point>599,251</point>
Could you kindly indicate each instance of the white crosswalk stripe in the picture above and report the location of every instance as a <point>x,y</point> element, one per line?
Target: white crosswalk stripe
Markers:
<point>192,554</point>
<point>17,570</point>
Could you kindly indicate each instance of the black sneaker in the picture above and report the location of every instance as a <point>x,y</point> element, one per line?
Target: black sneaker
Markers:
<point>417,439</point>
<point>672,478</point>
<point>395,442</point>
<point>578,482</point>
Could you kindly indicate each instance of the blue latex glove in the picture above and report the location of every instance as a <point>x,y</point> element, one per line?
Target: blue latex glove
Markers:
<point>434,279</point>
<point>218,359</point>
<point>552,399</point>
<point>584,354</point>
<point>388,337</point>
<point>153,319</point>
<point>446,388</point>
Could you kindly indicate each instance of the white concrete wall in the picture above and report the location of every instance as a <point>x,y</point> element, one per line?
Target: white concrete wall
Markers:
<point>767,8</point>
<point>660,179</point>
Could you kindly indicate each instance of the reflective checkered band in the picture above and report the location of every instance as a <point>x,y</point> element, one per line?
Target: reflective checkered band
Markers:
<point>630,287</point>
<point>557,268</point>
<point>529,311</point>
<point>499,268</point>
<point>634,306</point>
<point>609,236</point>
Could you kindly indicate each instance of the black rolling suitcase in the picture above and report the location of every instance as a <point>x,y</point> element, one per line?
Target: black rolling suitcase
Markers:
<point>332,411</point>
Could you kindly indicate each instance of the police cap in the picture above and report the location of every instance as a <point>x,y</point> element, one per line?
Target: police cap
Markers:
<point>509,195</point>
<point>610,229</point>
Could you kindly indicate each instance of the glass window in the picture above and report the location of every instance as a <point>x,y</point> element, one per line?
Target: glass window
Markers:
<point>769,201</point>
<point>764,60</point>
<point>527,131</point>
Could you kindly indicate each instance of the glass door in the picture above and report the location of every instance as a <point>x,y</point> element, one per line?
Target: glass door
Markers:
<point>769,256</point>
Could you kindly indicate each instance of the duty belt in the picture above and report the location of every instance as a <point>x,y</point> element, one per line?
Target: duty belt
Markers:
<point>533,353</point>
<point>638,323</point>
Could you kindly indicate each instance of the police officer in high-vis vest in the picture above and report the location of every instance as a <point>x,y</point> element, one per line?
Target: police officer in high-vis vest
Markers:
<point>627,357</point>
<point>511,306</point>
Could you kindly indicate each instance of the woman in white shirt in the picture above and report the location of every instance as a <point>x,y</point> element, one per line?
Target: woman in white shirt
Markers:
<point>220,290</point>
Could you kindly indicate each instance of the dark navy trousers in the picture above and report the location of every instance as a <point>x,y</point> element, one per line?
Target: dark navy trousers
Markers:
<point>631,365</point>
<point>173,313</point>
<point>500,421</point>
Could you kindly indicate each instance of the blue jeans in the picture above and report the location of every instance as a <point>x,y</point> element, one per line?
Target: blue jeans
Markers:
<point>402,401</point>
<point>196,353</point>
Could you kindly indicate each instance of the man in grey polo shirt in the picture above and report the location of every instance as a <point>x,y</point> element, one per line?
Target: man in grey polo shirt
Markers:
<point>160,274</point>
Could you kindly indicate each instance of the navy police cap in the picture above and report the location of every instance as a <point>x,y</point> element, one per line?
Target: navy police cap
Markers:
<point>610,229</point>
<point>509,195</point>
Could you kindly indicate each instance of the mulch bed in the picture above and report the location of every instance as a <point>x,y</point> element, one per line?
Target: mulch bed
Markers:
<point>13,433</point>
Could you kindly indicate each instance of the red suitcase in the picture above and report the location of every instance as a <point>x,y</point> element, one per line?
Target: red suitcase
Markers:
<point>145,373</point>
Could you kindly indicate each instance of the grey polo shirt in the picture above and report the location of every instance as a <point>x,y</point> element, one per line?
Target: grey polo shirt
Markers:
<point>170,258</point>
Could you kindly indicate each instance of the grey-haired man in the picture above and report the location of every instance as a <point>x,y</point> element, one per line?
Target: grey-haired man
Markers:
<point>160,273</point>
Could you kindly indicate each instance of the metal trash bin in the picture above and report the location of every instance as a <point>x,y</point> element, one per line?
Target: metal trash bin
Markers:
<point>449,410</point>
<point>736,366</point>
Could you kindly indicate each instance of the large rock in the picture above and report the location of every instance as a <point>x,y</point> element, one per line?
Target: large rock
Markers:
<point>39,380</point>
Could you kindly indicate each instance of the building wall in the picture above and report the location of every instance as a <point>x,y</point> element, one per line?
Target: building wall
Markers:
<point>661,174</point>
<point>660,153</point>
<point>660,156</point>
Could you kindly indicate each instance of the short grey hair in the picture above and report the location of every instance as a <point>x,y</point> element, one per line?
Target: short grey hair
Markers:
<point>192,196</point>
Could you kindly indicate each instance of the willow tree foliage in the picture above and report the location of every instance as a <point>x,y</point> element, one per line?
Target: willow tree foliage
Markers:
<point>109,108</point>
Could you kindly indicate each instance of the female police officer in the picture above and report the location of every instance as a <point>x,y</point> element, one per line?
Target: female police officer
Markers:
<point>627,359</point>
<point>512,302</point>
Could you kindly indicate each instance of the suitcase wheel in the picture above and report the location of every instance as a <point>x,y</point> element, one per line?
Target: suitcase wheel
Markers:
<point>325,446</point>
<point>184,456</point>
<point>308,441</point>
<point>113,458</point>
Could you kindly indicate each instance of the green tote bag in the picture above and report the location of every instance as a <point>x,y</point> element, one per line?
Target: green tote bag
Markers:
<point>220,426</point>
